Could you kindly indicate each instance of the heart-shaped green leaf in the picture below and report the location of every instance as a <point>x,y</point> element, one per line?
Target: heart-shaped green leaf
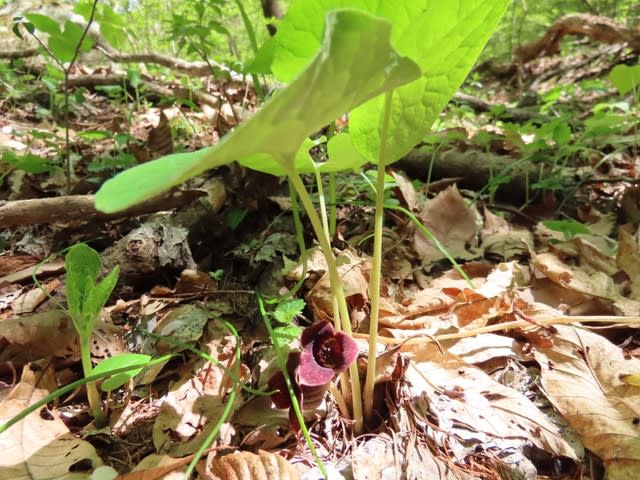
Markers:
<point>443,38</point>
<point>625,78</point>
<point>355,63</point>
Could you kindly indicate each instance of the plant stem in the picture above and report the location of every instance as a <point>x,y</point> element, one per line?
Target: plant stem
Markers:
<point>92,391</point>
<point>72,386</point>
<point>376,268</point>
<point>228,408</point>
<point>336,286</point>
<point>282,363</point>
<point>251,33</point>
<point>333,212</point>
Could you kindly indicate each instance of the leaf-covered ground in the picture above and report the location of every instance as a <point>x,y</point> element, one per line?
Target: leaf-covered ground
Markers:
<point>530,371</point>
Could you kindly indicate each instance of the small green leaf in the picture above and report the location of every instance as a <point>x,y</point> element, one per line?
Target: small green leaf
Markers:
<point>85,299</point>
<point>284,336</point>
<point>569,228</point>
<point>28,162</point>
<point>44,23</point>
<point>116,362</point>
<point>286,311</point>
<point>625,78</point>
<point>343,75</point>
<point>99,294</point>
<point>64,45</point>
<point>83,265</point>
<point>94,134</point>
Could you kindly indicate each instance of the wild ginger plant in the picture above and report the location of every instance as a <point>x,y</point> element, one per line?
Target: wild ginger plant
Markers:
<point>392,66</point>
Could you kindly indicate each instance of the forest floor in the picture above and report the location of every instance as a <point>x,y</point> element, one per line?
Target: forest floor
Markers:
<point>528,369</point>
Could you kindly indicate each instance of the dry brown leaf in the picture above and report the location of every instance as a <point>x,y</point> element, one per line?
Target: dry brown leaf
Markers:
<point>249,466</point>
<point>47,268</point>
<point>354,273</point>
<point>452,222</point>
<point>37,336</point>
<point>158,467</point>
<point>41,447</point>
<point>581,376</point>
<point>472,410</point>
<point>195,401</point>
<point>29,301</point>
<point>598,284</point>
<point>628,260</point>
<point>406,190</point>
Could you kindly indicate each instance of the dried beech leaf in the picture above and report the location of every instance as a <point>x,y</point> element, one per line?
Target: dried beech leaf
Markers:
<point>583,376</point>
<point>249,466</point>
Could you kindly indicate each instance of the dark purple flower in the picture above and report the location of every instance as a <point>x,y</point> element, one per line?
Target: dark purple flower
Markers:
<point>324,354</point>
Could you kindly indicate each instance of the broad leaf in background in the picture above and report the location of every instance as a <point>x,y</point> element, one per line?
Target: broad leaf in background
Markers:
<point>626,78</point>
<point>62,43</point>
<point>344,74</point>
<point>443,38</point>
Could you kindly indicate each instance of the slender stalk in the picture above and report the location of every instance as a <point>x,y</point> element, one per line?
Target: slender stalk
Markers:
<point>336,286</point>
<point>333,212</point>
<point>72,386</point>
<point>228,408</point>
<point>282,363</point>
<point>92,391</point>
<point>323,204</point>
<point>376,268</point>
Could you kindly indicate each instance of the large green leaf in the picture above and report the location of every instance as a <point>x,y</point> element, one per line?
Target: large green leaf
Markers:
<point>443,38</point>
<point>355,63</point>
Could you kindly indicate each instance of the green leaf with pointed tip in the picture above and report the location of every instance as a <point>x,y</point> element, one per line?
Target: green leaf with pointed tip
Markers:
<point>85,299</point>
<point>443,38</point>
<point>83,265</point>
<point>343,74</point>
<point>116,362</point>
<point>99,294</point>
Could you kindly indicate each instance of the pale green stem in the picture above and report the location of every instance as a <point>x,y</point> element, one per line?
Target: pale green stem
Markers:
<point>376,268</point>
<point>92,391</point>
<point>226,412</point>
<point>336,286</point>
<point>333,207</point>
<point>323,204</point>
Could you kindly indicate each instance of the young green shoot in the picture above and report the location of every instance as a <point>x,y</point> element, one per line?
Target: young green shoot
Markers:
<point>85,299</point>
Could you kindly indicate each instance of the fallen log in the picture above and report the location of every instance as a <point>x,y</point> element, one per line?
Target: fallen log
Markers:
<point>597,28</point>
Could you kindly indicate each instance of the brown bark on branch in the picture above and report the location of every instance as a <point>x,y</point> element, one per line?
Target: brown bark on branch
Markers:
<point>74,208</point>
<point>601,29</point>
<point>15,54</point>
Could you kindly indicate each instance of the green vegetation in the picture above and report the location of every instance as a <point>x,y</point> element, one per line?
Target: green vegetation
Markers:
<point>343,91</point>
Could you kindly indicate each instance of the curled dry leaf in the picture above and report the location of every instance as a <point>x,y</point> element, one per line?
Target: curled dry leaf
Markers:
<point>249,466</point>
<point>583,377</point>
<point>453,223</point>
<point>41,447</point>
